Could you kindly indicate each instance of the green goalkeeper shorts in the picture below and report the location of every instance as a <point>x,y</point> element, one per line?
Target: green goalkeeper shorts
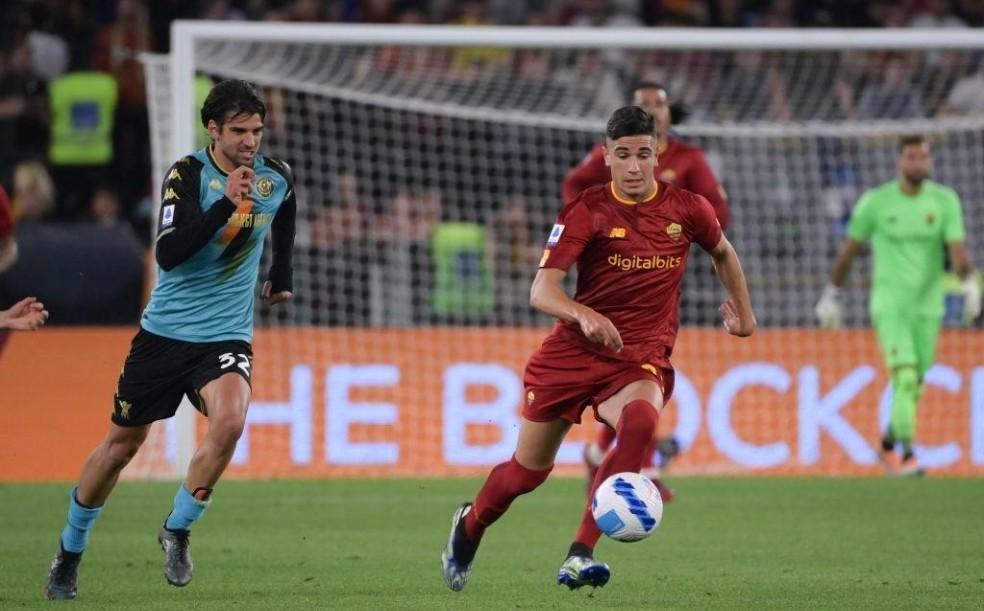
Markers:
<point>907,339</point>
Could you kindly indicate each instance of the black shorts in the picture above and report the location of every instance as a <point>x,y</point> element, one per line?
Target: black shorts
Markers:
<point>159,371</point>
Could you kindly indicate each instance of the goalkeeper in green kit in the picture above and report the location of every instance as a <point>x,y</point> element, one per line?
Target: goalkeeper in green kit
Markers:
<point>909,221</point>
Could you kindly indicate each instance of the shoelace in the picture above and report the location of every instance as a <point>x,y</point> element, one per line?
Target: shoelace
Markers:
<point>181,544</point>
<point>63,568</point>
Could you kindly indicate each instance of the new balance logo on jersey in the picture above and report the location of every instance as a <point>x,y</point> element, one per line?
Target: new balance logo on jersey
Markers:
<point>617,232</point>
<point>659,262</point>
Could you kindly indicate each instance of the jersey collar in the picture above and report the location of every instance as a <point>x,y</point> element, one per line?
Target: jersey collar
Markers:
<point>629,202</point>
<point>215,162</point>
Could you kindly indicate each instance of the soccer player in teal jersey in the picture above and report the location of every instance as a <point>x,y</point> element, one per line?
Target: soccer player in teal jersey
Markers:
<point>910,222</point>
<point>217,207</point>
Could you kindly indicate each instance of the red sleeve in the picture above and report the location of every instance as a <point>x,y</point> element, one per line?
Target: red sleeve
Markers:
<point>6,216</point>
<point>572,232</point>
<point>590,172</point>
<point>704,226</point>
<point>701,180</point>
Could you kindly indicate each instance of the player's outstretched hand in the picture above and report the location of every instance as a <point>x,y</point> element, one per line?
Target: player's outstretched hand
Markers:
<point>733,322</point>
<point>828,310</point>
<point>239,184</point>
<point>27,314</point>
<point>600,330</point>
<point>274,298</point>
<point>972,298</point>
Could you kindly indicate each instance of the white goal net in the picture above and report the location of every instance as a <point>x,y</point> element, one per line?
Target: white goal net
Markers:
<point>429,162</point>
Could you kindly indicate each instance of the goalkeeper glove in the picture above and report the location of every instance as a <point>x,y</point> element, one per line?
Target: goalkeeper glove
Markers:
<point>971,292</point>
<point>828,309</point>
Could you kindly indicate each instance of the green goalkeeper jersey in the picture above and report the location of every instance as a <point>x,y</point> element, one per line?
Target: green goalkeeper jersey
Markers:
<point>908,235</point>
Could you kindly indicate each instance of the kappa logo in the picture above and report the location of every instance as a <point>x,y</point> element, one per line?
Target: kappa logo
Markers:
<point>123,408</point>
<point>170,194</point>
<point>264,187</point>
<point>617,232</point>
<point>674,230</point>
<point>174,175</point>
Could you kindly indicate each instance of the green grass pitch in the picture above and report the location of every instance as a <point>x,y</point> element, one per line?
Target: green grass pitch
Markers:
<point>726,543</point>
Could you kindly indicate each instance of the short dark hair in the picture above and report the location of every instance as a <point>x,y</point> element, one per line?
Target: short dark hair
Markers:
<point>912,140</point>
<point>649,85</point>
<point>630,121</point>
<point>229,99</point>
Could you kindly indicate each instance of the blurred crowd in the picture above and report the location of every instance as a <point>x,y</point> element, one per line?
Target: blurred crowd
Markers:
<point>47,40</point>
<point>89,162</point>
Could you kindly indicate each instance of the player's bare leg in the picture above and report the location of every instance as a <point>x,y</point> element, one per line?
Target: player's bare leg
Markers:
<point>524,472</point>
<point>226,400</point>
<point>595,452</point>
<point>634,414</point>
<point>99,475</point>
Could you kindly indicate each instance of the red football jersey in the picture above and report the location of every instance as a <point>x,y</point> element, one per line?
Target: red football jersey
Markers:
<point>630,261</point>
<point>681,164</point>
<point>6,216</point>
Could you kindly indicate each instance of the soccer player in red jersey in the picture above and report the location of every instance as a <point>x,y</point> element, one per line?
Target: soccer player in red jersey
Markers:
<point>611,346</point>
<point>680,164</point>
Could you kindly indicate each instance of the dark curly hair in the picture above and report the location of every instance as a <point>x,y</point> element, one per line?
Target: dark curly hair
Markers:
<point>229,99</point>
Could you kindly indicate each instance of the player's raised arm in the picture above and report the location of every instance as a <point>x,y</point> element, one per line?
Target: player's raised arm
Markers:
<point>183,229</point>
<point>739,319</point>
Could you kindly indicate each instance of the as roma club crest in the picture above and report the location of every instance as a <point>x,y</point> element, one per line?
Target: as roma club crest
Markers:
<point>674,230</point>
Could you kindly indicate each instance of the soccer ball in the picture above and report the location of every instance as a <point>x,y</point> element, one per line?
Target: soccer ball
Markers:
<point>627,507</point>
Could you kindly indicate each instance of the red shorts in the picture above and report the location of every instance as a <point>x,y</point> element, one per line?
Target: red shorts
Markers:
<point>564,377</point>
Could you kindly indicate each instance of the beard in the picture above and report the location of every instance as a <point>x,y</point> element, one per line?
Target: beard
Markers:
<point>915,178</point>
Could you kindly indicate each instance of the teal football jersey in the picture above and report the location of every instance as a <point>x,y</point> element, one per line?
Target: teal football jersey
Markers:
<point>209,296</point>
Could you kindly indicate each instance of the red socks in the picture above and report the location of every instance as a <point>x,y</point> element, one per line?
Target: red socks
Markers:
<point>605,438</point>
<point>507,481</point>
<point>634,434</point>
<point>606,435</point>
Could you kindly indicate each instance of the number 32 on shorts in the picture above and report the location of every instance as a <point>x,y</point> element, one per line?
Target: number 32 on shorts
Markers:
<point>229,359</point>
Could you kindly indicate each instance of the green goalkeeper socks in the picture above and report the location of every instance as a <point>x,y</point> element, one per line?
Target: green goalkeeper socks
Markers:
<point>902,425</point>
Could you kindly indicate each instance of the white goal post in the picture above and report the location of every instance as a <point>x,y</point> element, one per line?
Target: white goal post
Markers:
<point>477,126</point>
